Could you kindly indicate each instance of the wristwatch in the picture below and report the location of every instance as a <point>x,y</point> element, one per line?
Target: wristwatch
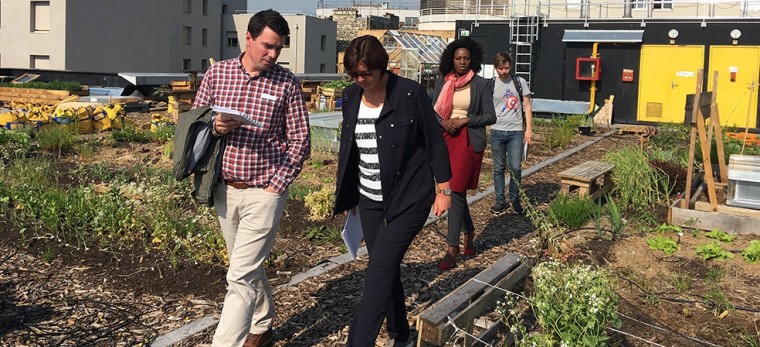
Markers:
<point>446,191</point>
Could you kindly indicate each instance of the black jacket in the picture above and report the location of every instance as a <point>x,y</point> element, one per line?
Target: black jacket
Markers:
<point>481,111</point>
<point>411,150</point>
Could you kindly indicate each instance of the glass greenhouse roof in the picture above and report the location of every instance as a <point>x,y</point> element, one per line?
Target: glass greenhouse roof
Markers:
<point>430,47</point>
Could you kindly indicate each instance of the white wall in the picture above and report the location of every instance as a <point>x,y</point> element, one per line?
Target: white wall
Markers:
<point>18,42</point>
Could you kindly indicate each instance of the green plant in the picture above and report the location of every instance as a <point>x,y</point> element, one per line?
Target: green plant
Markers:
<point>336,84</point>
<point>130,134</point>
<point>752,253</point>
<point>665,244</point>
<point>572,212</point>
<point>298,191</point>
<point>164,133</point>
<point>598,218</point>
<point>322,233</point>
<point>57,138</point>
<point>714,275</point>
<point>616,217</point>
<point>638,185</point>
<point>720,236</point>
<point>713,250</point>
<point>574,304</point>
<point>13,144</point>
<point>320,202</point>
<point>718,300</point>
<point>681,283</point>
<point>560,136</point>
<point>667,228</point>
<point>54,85</point>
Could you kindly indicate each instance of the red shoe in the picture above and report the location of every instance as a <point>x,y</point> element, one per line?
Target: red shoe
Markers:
<point>449,261</point>
<point>469,251</point>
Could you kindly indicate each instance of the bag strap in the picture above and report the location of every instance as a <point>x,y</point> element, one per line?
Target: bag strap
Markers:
<point>518,86</point>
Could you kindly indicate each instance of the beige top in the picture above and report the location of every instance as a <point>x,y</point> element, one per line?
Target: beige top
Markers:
<point>461,102</point>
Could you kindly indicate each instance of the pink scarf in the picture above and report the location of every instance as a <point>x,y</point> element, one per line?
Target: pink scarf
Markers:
<point>445,104</point>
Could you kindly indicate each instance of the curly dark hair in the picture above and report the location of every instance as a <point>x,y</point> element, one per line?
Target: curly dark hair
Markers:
<point>447,58</point>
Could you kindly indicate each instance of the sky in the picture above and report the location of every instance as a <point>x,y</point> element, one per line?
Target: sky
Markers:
<point>310,6</point>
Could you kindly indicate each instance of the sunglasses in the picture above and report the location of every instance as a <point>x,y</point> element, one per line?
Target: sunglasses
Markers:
<point>365,74</point>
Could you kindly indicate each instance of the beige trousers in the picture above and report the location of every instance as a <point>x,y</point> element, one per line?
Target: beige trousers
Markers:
<point>249,220</point>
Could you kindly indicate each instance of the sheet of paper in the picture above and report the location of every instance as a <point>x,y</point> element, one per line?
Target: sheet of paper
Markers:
<point>525,152</point>
<point>352,233</point>
<point>240,116</point>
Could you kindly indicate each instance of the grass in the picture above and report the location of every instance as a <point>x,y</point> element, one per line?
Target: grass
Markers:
<point>638,185</point>
<point>572,212</point>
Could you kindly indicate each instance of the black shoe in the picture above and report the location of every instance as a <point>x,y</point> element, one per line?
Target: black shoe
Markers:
<point>516,208</point>
<point>410,342</point>
<point>498,208</point>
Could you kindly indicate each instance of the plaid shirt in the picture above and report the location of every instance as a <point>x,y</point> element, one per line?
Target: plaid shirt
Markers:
<point>271,151</point>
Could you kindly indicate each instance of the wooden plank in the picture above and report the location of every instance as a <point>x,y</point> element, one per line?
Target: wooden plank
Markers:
<point>594,172</point>
<point>732,210</point>
<point>707,220</point>
<point>573,171</point>
<point>485,302</point>
<point>458,299</point>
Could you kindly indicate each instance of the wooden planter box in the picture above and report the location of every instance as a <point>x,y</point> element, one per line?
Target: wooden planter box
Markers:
<point>334,92</point>
<point>39,96</point>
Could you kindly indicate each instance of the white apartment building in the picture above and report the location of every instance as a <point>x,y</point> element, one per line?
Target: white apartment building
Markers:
<point>116,35</point>
<point>310,48</point>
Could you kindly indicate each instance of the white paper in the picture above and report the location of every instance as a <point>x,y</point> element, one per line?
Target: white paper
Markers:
<point>525,152</point>
<point>352,233</point>
<point>235,114</point>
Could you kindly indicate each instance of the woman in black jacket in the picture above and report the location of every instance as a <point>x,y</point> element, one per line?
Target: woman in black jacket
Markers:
<point>464,103</point>
<point>393,165</point>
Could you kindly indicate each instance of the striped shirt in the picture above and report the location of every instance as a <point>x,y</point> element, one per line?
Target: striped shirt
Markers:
<point>366,141</point>
<point>271,151</point>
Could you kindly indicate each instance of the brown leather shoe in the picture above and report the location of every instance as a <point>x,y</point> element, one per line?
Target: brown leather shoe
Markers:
<point>259,340</point>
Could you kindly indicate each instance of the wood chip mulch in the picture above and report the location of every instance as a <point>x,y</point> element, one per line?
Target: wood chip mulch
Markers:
<point>44,304</point>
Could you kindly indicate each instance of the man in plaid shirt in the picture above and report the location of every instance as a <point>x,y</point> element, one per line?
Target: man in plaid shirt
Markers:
<point>262,157</point>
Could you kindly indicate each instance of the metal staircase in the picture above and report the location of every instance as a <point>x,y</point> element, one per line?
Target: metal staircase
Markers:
<point>523,36</point>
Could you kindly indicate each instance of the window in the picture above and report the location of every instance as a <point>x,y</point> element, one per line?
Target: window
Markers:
<point>204,37</point>
<point>638,4</point>
<point>205,7</point>
<point>287,42</point>
<point>232,40</point>
<point>188,6</point>
<point>662,4</point>
<point>323,42</point>
<point>187,35</point>
<point>40,16</point>
<point>322,68</point>
<point>186,64</point>
<point>224,9</point>
<point>204,65</point>
<point>39,61</point>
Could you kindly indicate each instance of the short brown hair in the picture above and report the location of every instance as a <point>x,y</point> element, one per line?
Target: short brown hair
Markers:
<point>366,50</point>
<point>501,58</point>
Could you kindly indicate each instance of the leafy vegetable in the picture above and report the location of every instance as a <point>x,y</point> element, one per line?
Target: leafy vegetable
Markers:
<point>664,244</point>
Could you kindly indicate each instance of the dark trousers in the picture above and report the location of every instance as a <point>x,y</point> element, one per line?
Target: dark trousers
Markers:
<point>459,218</point>
<point>383,295</point>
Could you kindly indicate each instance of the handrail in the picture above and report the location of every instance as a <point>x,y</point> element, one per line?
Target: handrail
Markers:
<point>590,9</point>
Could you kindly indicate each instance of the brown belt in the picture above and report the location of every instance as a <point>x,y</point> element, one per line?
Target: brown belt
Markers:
<point>239,185</point>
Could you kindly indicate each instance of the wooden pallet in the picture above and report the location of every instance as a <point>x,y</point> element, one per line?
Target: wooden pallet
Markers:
<point>470,301</point>
<point>591,177</point>
<point>636,129</point>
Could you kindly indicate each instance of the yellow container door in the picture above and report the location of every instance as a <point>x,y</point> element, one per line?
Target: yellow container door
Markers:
<point>737,94</point>
<point>668,74</point>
